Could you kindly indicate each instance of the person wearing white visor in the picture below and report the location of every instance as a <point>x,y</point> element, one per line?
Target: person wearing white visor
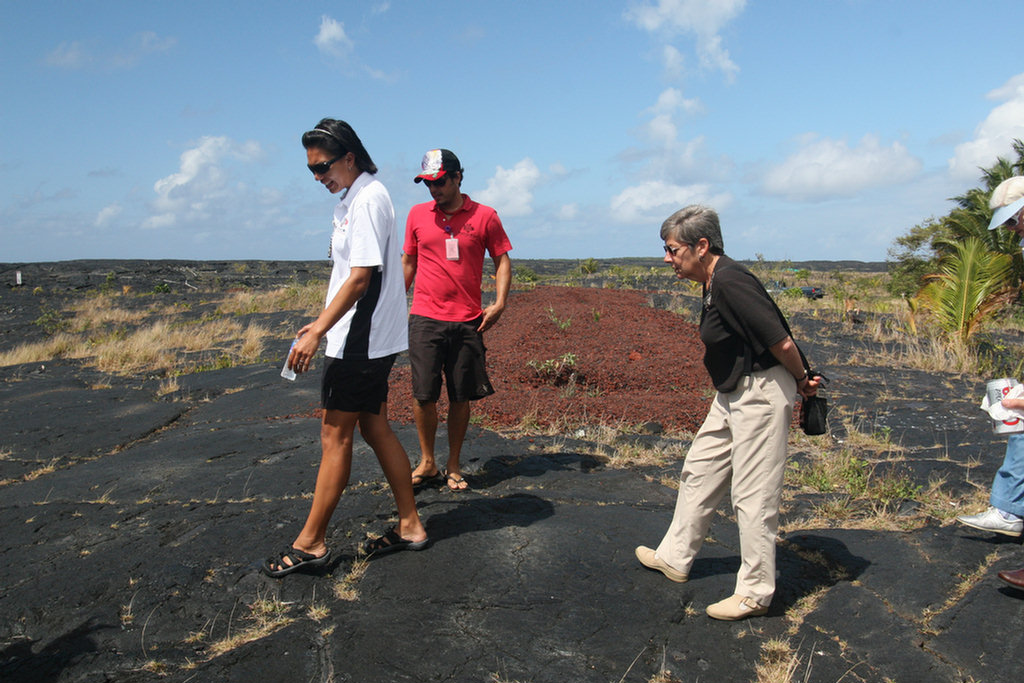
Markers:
<point>1006,512</point>
<point>1007,202</point>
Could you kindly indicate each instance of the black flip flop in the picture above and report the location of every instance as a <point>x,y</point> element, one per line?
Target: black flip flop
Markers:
<point>392,542</point>
<point>299,560</point>
<point>425,479</point>
<point>456,479</point>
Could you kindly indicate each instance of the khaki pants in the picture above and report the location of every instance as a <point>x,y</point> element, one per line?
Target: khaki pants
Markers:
<point>742,441</point>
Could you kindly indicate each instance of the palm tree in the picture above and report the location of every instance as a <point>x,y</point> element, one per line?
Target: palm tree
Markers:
<point>926,245</point>
<point>972,283</point>
<point>972,215</point>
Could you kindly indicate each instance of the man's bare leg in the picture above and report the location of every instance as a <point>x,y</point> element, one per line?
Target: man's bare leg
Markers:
<point>425,414</point>
<point>458,424</point>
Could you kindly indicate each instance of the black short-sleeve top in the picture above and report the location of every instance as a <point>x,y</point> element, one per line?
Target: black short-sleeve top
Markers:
<point>738,323</point>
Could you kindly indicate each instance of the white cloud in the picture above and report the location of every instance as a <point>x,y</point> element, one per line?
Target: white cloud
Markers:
<point>143,44</point>
<point>994,137</point>
<point>510,191</point>
<point>701,18</point>
<point>161,222</point>
<point>661,129</point>
<point>107,215</point>
<point>697,16</point>
<point>69,56</point>
<point>823,169</point>
<point>149,41</point>
<point>74,55</point>
<point>673,60</point>
<point>199,189</point>
<point>671,100</point>
<point>334,42</point>
<point>331,39</point>
<point>667,157</point>
<point>568,212</point>
<point>655,200</point>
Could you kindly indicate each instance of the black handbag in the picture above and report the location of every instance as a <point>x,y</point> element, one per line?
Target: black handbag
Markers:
<point>813,410</point>
<point>814,415</point>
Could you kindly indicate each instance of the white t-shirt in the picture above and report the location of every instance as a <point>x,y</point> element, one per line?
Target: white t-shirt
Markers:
<point>365,235</point>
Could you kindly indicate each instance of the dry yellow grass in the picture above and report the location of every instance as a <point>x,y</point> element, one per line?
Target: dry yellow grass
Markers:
<point>250,349</point>
<point>778,661</point>
<point>48,468</point>
<point>308,298</point>
<point>144,349</point>
<point>266,616</point>
<point>100,311</point>
<point>168,386</point>
<point>918,352</point>
<point>119,336</point>
<point>153,347</point>
<point>346,587</point>
<point>57,346</point>
<point>639,455</point>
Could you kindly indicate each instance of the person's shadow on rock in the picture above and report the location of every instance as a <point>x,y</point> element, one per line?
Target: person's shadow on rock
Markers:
<point>807,563</point>
<point>486,513</point>
<point>1011,592</point>
<point>19,665</point>
<point>712,566</point>
<point>504,467</point>
<point>989,537</point>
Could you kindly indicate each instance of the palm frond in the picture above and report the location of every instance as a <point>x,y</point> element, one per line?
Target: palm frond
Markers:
<point>971,284</point>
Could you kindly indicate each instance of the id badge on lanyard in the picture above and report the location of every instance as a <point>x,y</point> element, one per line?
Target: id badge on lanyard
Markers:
<point>451,245</point>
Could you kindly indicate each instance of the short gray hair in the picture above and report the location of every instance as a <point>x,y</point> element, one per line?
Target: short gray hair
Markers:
<point>689,224</point>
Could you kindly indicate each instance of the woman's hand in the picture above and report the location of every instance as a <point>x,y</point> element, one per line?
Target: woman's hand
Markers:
<point>305,348</point>
<point>808,386</point>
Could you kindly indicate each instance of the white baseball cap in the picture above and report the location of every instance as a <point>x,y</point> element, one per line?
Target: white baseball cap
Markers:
<point>1007,199</point>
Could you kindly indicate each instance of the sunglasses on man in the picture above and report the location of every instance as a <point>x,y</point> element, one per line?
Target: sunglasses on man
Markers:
<point>436,183</point>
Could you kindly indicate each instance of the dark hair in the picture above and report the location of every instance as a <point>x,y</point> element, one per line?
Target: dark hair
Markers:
<point>337,139</point>
<point>689,224</point>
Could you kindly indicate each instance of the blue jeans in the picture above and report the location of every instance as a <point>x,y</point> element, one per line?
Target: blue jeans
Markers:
<point>1008,486</point>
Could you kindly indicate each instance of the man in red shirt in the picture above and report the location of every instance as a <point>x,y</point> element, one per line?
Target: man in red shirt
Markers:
<point>445,242</point>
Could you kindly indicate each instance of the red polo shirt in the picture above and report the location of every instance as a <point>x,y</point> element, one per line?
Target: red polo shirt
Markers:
<point>445,289</point>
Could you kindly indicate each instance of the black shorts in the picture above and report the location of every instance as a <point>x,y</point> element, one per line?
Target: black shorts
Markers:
<point>453,348</point>
<point>356,385</point>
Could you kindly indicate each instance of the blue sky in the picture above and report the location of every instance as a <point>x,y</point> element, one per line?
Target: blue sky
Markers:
<point>819,130</point>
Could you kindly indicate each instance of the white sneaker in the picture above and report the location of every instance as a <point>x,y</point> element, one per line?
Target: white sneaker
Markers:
<point>993,520</point>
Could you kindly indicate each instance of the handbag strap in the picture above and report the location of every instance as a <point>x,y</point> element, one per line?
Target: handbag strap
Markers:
<point>785,325</point>
<point>803,358</point>
<point>778,312</point>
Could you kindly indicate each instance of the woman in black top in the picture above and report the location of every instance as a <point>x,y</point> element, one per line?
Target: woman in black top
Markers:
<point>757,371</point>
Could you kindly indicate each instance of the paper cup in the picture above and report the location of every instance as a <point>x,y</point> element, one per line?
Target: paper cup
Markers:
<point>996,389</point>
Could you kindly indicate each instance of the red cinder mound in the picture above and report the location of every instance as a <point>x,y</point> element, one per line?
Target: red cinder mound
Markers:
<point>565,356</point>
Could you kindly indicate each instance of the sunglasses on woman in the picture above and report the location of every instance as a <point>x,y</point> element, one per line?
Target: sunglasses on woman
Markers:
<point>324,166</point>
